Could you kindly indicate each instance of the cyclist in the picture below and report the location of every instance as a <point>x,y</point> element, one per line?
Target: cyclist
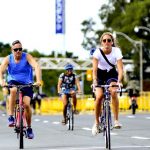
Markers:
<point>133,89</point>
<point>104,73</point>
<point>19,66</point>
<point>36,99</point>
<point>67,83</point>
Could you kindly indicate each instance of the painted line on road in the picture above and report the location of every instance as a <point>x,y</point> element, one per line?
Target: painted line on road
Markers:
<point>131,116</point>
<point>112,133</point>
<point>55,122</point>
<point>147,117</point>
<point>139,137</point>
<point>45,121</point>
<point>37,120</point>
<point>85,128</point>
<point>94,147</point>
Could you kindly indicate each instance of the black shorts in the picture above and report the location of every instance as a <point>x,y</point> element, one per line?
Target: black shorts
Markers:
<point>26,91</point>
<point>105,77</point>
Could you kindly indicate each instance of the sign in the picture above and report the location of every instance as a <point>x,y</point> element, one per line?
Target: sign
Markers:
<point>60,16</point>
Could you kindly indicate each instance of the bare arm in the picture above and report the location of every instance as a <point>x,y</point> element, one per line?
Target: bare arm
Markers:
<point>95,67</point>
<point>59,86</point>
<point>120,70</point>
<point>36,66</point>
<point>78,85</point>
<point>3,68</point>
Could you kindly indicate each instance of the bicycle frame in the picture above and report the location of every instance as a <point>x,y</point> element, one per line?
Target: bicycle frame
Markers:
<point>20,118</point>
<point>105,118</point>
<point>133,104</point>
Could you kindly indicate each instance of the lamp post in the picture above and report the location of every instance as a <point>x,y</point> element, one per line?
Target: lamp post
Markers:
<point>135,43</point>
<point>136,29</point>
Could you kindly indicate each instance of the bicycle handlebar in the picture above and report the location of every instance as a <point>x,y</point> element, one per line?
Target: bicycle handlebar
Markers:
<point>20,86</point>
<point>115,85</point>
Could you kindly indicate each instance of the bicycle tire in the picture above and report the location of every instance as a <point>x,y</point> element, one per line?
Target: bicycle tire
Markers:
<point>133,107</point>
<point>72,117</point>
<point>69,120</point>
<point>21,142</point>
<point>107,130</point>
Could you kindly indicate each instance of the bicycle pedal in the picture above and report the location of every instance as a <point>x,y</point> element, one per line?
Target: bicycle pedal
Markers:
<point>16,130</point>
<point>25,134</point>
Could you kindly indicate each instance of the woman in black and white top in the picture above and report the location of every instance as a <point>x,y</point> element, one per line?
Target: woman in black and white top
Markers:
<point>105,73</point>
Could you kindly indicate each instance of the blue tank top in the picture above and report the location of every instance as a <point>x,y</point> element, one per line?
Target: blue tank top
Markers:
<point>20,72</point>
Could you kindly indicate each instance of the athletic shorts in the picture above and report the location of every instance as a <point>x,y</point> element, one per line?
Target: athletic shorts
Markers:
<point>26,91</point>
<point>106,77</point>
<point>67,91</point>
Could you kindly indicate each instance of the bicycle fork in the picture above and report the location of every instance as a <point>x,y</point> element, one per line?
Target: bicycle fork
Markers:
<point>103,119</point>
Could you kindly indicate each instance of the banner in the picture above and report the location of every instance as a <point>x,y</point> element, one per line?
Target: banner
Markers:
<point>60,16</point>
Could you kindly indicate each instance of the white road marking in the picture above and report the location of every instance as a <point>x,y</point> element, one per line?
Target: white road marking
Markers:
<point>37,120</point>
<point>85,128</point>
<point>45,121</point>
<point>112,133</point>
<point>147,117</point>
<point>94,147</point>
<point>139,137</point>
<point>3,114</point>
<point>131,116</point>
<point>55,122</point>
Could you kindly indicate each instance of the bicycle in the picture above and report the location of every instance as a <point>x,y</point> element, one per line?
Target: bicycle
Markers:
<point>70,114</point>
<point>133,94</point>
<point>105,118</point>
<point>20,124</point>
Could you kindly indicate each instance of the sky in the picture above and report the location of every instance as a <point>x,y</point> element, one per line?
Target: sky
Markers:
<point>33,23</point>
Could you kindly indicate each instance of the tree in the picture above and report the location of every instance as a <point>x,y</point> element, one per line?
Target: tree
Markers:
<point>123,16</point>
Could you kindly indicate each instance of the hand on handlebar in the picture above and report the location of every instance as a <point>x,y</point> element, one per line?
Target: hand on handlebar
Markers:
<point>3,83</point>
<point>93,86</point>
<point>79,92</point>
<point>120,84</point>
<point>37,84</point>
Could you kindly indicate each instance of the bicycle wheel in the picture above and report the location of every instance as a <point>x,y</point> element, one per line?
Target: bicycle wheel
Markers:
<point>69,124</point>
<point>133,106</point>
<point>21,144</point>
<point>71,118</point>
<point>107,130</point>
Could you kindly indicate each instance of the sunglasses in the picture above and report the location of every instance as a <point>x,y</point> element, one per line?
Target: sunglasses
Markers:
<point>69,69</point>
<point>17,49</point>
<point>108,40</point>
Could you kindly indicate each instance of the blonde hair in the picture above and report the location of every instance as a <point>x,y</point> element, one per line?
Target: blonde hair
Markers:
<point>115,42</point>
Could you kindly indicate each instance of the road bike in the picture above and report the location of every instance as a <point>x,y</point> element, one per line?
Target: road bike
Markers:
<point>70,113</point>
<point>105,118</point>
<point>20,124</point>
<point>133,94</point>
<point>133,105</point>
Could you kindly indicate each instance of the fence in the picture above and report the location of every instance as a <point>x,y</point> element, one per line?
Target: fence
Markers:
<point>86,104</point>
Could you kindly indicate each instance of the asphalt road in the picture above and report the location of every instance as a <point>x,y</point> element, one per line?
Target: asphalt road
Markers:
<point>51,135</point>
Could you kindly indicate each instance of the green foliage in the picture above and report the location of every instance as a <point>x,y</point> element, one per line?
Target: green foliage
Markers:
<point>4,49</point>
<point>49,77</point>
<point>123,16</point>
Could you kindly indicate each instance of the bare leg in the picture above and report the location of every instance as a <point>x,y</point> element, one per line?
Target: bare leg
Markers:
<point>28,110</point>
<point>115,103</point>
<point>98,102</point>
<point>12,101</point>
<point>64,99</point>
